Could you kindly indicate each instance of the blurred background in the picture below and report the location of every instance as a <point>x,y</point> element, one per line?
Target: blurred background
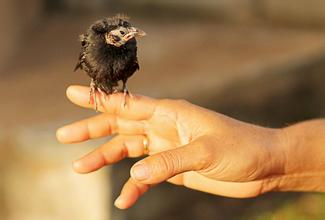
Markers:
<point>261,61</point>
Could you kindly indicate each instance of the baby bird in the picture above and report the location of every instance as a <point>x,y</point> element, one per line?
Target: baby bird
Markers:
<point>109,55</point>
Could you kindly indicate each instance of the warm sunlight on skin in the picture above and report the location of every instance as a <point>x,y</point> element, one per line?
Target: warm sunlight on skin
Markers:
<point>198,148</point>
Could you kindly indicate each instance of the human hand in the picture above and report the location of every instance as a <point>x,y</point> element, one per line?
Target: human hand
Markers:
<point>187,145</point>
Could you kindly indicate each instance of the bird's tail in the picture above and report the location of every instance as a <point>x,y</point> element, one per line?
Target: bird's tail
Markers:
<point>78,66</point>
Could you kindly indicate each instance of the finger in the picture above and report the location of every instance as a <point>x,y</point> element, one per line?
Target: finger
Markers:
<point>138,107</point>
<point>162,166</point>
<point>118,148</point>
<point>130,193</point>
<point>194,180</point>
<point>177,180</point>
<point>98,126</point>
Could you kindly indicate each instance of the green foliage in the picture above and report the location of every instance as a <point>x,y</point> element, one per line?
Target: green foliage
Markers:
<point>307,206</point>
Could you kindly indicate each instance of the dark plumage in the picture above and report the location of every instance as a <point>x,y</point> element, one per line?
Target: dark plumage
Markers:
<point>109,54</point>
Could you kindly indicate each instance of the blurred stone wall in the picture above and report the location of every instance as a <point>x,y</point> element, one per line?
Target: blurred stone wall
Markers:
<point>298,12</point>
<point>288,12</point>
<point>38,183</point>
<point>16,16</point>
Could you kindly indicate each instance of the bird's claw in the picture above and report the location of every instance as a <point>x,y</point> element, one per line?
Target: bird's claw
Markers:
<point>126,94</point>
<point>124,104</point>
<point>92,95</point>
<point>102,93</point>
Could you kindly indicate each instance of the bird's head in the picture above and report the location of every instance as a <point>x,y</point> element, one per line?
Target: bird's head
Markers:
<point>122,34</point>
<point>117,30</point>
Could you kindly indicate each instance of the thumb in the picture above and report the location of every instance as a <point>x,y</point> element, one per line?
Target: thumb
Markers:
<point>162,166</point>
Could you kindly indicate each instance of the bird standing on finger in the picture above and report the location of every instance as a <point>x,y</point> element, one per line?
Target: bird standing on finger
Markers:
<point>109,55</point>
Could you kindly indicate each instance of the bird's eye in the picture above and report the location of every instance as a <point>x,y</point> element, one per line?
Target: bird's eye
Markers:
<point>122,32</point>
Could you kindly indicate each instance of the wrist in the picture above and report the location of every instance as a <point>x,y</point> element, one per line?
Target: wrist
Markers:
<point>277,156</point>
<point>301,153</point>
<point>304,163</point>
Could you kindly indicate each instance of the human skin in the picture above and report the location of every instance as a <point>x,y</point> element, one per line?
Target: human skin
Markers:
<point>197,148</point>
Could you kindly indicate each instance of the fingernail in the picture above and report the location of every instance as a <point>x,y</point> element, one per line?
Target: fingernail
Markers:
<point>61,134</point>
<point>77,165</point>
<point>119,202</point>
<point>140,172</point>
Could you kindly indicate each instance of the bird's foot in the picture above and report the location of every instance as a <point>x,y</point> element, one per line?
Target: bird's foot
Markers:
<point>92,95</point>
<point>102,93</point>
<point>126,94</point>
<point>129,94</point>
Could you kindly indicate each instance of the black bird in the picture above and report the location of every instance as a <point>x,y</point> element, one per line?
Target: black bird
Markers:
<point>109,54</point>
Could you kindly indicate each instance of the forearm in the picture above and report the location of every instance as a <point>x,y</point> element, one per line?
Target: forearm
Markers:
<point>304,150</point>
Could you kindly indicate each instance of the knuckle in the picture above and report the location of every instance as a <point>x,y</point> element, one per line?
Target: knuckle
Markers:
<point>117,110</point>
<point>173,102</point>
<point>165,102</point>
<point>92,130</point>
<point>114,125</point>
<point>181,102</point>
<point>170,162</point>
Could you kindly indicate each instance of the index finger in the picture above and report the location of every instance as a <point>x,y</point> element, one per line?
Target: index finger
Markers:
<point>138,107</point>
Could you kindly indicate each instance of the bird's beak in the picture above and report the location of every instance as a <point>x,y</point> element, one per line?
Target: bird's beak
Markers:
<point>134,32</point>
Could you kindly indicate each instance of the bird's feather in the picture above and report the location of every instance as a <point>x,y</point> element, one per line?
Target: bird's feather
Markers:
<point>107,64</point>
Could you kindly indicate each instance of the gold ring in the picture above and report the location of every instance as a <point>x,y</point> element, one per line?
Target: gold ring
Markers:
<point>145,145</point>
